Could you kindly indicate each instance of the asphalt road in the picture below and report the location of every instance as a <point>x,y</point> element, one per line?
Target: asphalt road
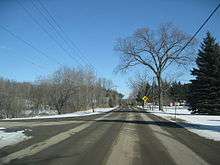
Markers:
<point>121,137</point>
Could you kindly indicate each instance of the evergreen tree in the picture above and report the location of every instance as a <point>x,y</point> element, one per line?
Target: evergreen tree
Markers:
<point>178,91</point>
<point>205,89</point>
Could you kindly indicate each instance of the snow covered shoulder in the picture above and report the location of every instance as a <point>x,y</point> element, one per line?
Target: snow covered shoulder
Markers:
<point>74,114</point>
<point>207,126</point>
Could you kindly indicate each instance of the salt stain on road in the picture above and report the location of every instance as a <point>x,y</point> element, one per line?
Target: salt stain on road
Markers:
<point>36,148</point>
<point>180,153</point>
<point>125,150</point>
<point>36,124</point>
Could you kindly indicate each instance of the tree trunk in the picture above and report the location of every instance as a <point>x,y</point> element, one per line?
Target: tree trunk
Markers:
<point>58,108</point>
<point>160,94</point>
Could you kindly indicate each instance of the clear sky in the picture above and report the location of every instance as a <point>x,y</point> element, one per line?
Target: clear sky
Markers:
<point>93,26</point>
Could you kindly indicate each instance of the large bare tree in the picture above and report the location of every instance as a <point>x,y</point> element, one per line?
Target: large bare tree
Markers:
<point>155,50</point>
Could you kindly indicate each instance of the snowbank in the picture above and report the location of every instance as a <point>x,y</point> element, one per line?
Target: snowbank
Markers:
<point>74,114</point>
<point>40,112</point>
<point>11,138</point>
<point>204,125</point>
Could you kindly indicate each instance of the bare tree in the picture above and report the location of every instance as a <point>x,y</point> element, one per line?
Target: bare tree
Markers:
<point>63,86</point>
<point>139,81</point>
<point>155,50</point>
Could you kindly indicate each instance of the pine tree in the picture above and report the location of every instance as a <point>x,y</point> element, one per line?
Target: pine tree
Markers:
<point>205,89</point>
<point>178,91</point>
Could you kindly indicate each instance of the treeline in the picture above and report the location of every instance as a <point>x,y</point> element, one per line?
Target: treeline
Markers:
<point>172,92</point>
<point>66,90</point>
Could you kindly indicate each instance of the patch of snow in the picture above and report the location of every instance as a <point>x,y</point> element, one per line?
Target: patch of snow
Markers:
<point>207,126</point>
<point>11,138</point>
<point>40,112</point>
<point>74,114</point>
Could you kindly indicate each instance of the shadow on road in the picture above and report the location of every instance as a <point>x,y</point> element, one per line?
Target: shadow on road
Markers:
<point>159,123</point>
<point>166,123</point>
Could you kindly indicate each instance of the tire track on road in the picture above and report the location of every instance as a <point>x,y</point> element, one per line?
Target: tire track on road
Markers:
<point>126,150</point>
<point>180,153</point>
<point>36,148</point>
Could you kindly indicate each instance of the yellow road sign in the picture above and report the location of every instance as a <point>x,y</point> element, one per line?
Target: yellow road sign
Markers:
<point>145,98</point>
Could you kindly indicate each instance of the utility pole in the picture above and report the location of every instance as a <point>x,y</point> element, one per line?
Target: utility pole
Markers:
<point>93,99</point>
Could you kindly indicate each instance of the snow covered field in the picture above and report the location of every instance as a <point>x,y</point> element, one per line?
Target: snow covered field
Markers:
<point>74,114</point>
<point>204,125</point>
<point>10,138</point>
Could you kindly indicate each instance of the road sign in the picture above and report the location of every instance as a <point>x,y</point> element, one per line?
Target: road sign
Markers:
<point>145,98</point>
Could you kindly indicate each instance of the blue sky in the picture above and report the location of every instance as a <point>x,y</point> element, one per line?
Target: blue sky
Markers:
<point>93,26</point>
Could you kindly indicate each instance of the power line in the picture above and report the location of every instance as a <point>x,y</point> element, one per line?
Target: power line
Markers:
<point>54,28</point>
<point>200,28</point>
<point>37,66</point>
<point>44,30</point>
<point>28,44</point>
<point>61,28</point>
<point>65,34</point>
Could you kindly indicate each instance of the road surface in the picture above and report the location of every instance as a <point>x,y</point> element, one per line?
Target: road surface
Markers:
<point>121,137</point>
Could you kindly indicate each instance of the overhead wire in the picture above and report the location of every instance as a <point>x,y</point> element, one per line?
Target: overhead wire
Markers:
<point>200,28</point>
<point>46,31</point>
<point>28,43</point>
<point>37,66</point>
<point>54,28</point>
<point>61,29</point>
